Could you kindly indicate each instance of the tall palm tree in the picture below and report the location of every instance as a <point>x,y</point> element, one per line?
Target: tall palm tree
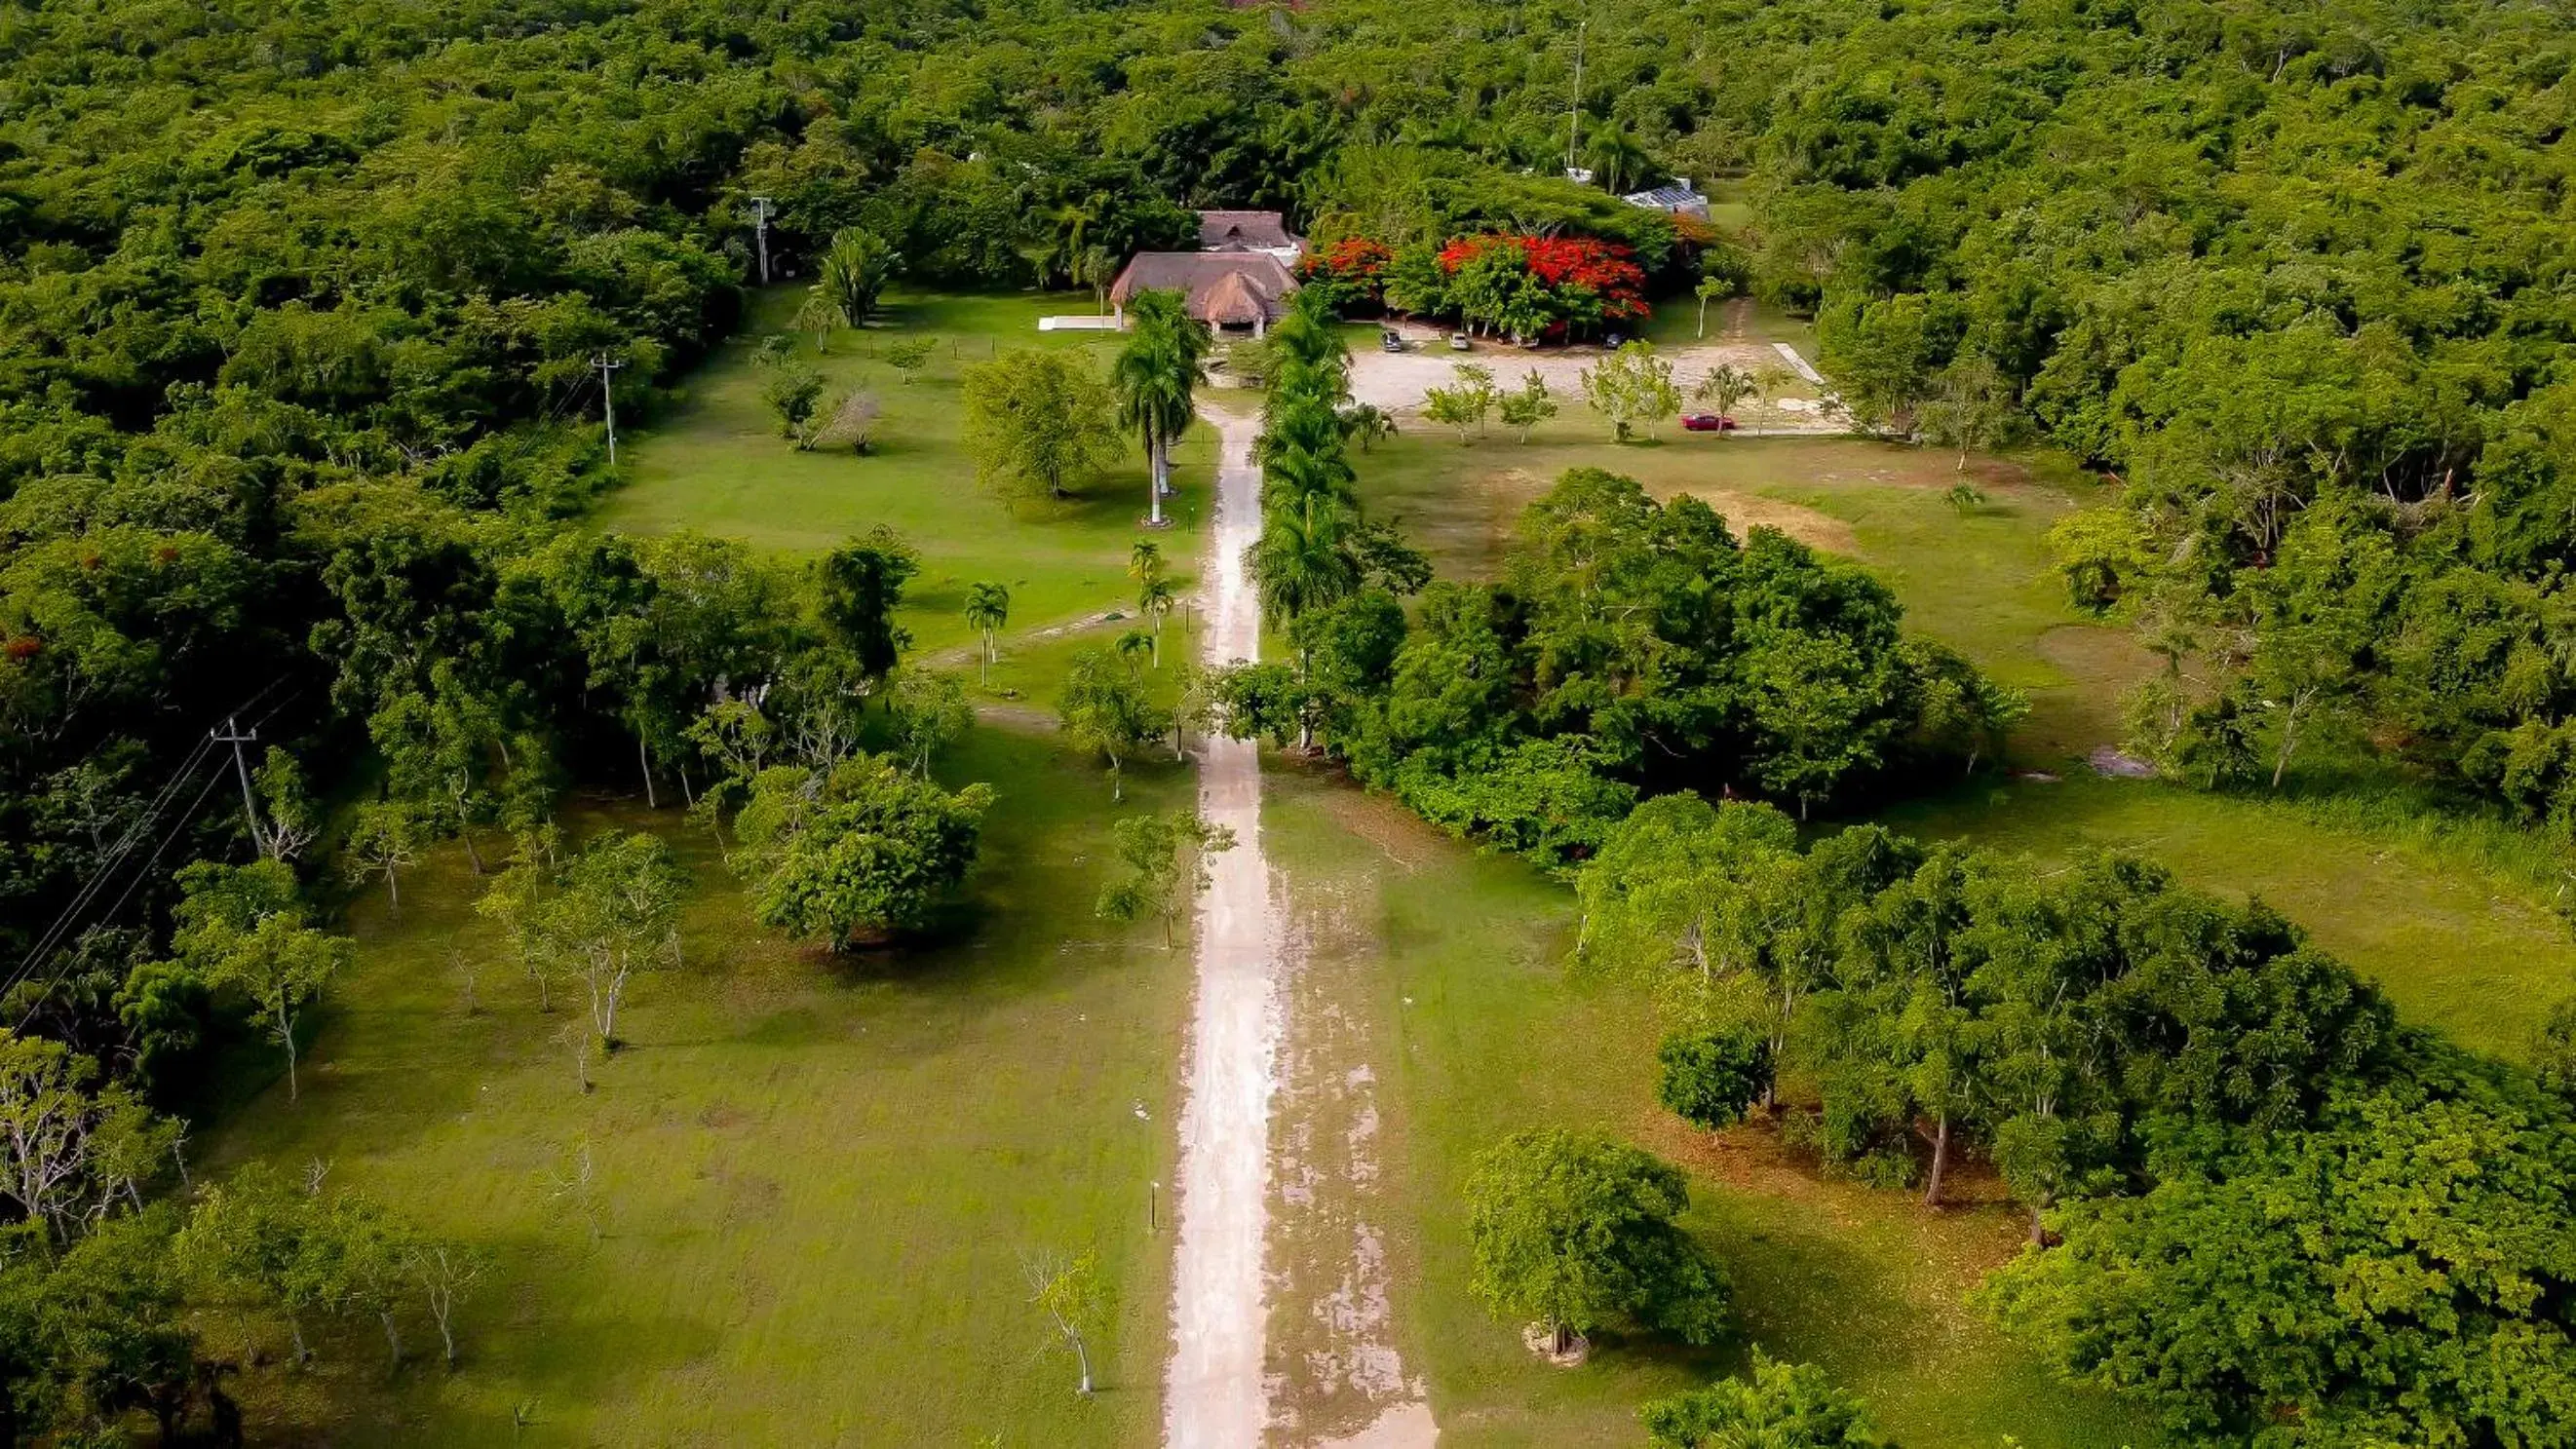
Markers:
<point>988,607</point>
<point>1157,377</point>
<point>1303,559</point>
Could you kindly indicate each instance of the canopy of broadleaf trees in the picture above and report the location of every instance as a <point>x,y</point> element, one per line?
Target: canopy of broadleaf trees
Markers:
<point>298,307</point>
<point>1631,646</point>
<point>2261,1208</point>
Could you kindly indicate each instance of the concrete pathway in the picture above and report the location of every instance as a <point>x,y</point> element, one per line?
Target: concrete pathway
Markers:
<point>1214,1393</point>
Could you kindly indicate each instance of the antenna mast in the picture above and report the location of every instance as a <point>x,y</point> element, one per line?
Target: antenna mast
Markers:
<point>1574,111</point>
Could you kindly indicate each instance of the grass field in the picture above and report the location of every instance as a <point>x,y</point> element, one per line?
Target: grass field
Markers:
<point>1478,1031</point>
<point>716,463</point>
<point>815,1177</point>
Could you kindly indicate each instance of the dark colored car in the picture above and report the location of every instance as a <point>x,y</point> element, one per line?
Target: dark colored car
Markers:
<point>1708,423</point>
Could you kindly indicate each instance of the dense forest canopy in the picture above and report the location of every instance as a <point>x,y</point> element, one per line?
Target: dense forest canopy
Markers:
<point>304,311</point>
<point>275,275</point>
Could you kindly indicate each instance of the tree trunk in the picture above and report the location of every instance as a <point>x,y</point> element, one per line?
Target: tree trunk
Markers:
<point>1154,486</point>
<point>295,1330</point>
<point>645,762</point>
<point>2038,1234</point>
<point>1082,1356</point>
<point>286,1038</point>
<point>393,889</point>
<point>1940,1160</point>
<point>446,1339</point>
<point>393,1335</point>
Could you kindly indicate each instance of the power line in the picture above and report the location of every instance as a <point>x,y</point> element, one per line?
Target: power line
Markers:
<point>185,817</point>
<point>114,858</point>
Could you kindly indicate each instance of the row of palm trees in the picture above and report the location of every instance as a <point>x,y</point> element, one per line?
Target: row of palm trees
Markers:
<point>1307,557</point>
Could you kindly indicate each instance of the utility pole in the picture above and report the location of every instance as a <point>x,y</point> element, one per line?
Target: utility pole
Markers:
<point>608,399</point>
<point>231,735</point>
<point>760,228</point>
<point>1574,112</point>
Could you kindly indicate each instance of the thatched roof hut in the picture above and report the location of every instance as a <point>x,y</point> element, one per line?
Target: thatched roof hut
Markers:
<point>1225,289</point>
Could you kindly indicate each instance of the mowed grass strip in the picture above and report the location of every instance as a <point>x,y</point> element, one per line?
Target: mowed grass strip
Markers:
<point>716,463</point>
<point>1488,1034</point>
<point>815,1178</point>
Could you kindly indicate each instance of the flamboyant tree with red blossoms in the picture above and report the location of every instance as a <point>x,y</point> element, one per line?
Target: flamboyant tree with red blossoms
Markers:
<point>1532,288</point>
<point>1351,272</point>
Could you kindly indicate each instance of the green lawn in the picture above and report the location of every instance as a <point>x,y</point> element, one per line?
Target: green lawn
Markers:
<point>1480,1032</point>
<point>817,1177</point>
<point>715,463</point>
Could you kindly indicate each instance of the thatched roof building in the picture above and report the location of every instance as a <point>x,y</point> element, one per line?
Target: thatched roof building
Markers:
<point>1225,289</point>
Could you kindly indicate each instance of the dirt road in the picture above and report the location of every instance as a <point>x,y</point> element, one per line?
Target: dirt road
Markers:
<point>1214,1394</point>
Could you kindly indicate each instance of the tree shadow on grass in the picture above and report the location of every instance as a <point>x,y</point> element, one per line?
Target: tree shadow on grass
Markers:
<point>514,1347</point>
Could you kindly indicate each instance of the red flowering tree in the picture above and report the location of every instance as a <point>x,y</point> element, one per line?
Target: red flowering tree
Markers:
<point>1531,287</point>
<point>1351,272</point>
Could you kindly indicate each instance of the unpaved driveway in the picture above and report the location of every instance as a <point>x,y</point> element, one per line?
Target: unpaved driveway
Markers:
<point>1214,1393</point>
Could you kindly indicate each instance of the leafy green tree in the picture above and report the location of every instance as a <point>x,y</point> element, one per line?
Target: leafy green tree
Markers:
<point>909,355</point>
<point>2390,1276</point>
<point>1778,1405</point>
<point>383,840</point>
<point>615,912</point>
<point>850,857</point>
<point>1038,422</point>
<point>791,392</point>
<point>66,1143</point>
<point>1107,712</point>
<point>1465,405</point>
<point>1527,406</point>
<point>1578,1233</point>
<point>1162,867</point>
<point>1452,407</point>
<point>1725,385</point>
<point>1631,388</point>
<point>1712,1076</point>
<point>1707,290</point>
<point>1971,407</point>
<point>861,587</point>
<point>930,714</point>
<point>2553,1054</point>
<point>1075,1300</point>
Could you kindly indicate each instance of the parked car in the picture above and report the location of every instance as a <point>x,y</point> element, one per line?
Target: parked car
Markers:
<point>1708,423</point>
<point>1457,341</point>
<point>1389,341</point>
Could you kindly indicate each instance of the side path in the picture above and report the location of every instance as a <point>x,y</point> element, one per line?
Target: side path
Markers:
<point>1214,1394</point>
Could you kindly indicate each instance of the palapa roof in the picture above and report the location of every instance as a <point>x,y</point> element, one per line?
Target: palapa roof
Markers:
<point>1243,231</point>
<point>1225,289</point>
